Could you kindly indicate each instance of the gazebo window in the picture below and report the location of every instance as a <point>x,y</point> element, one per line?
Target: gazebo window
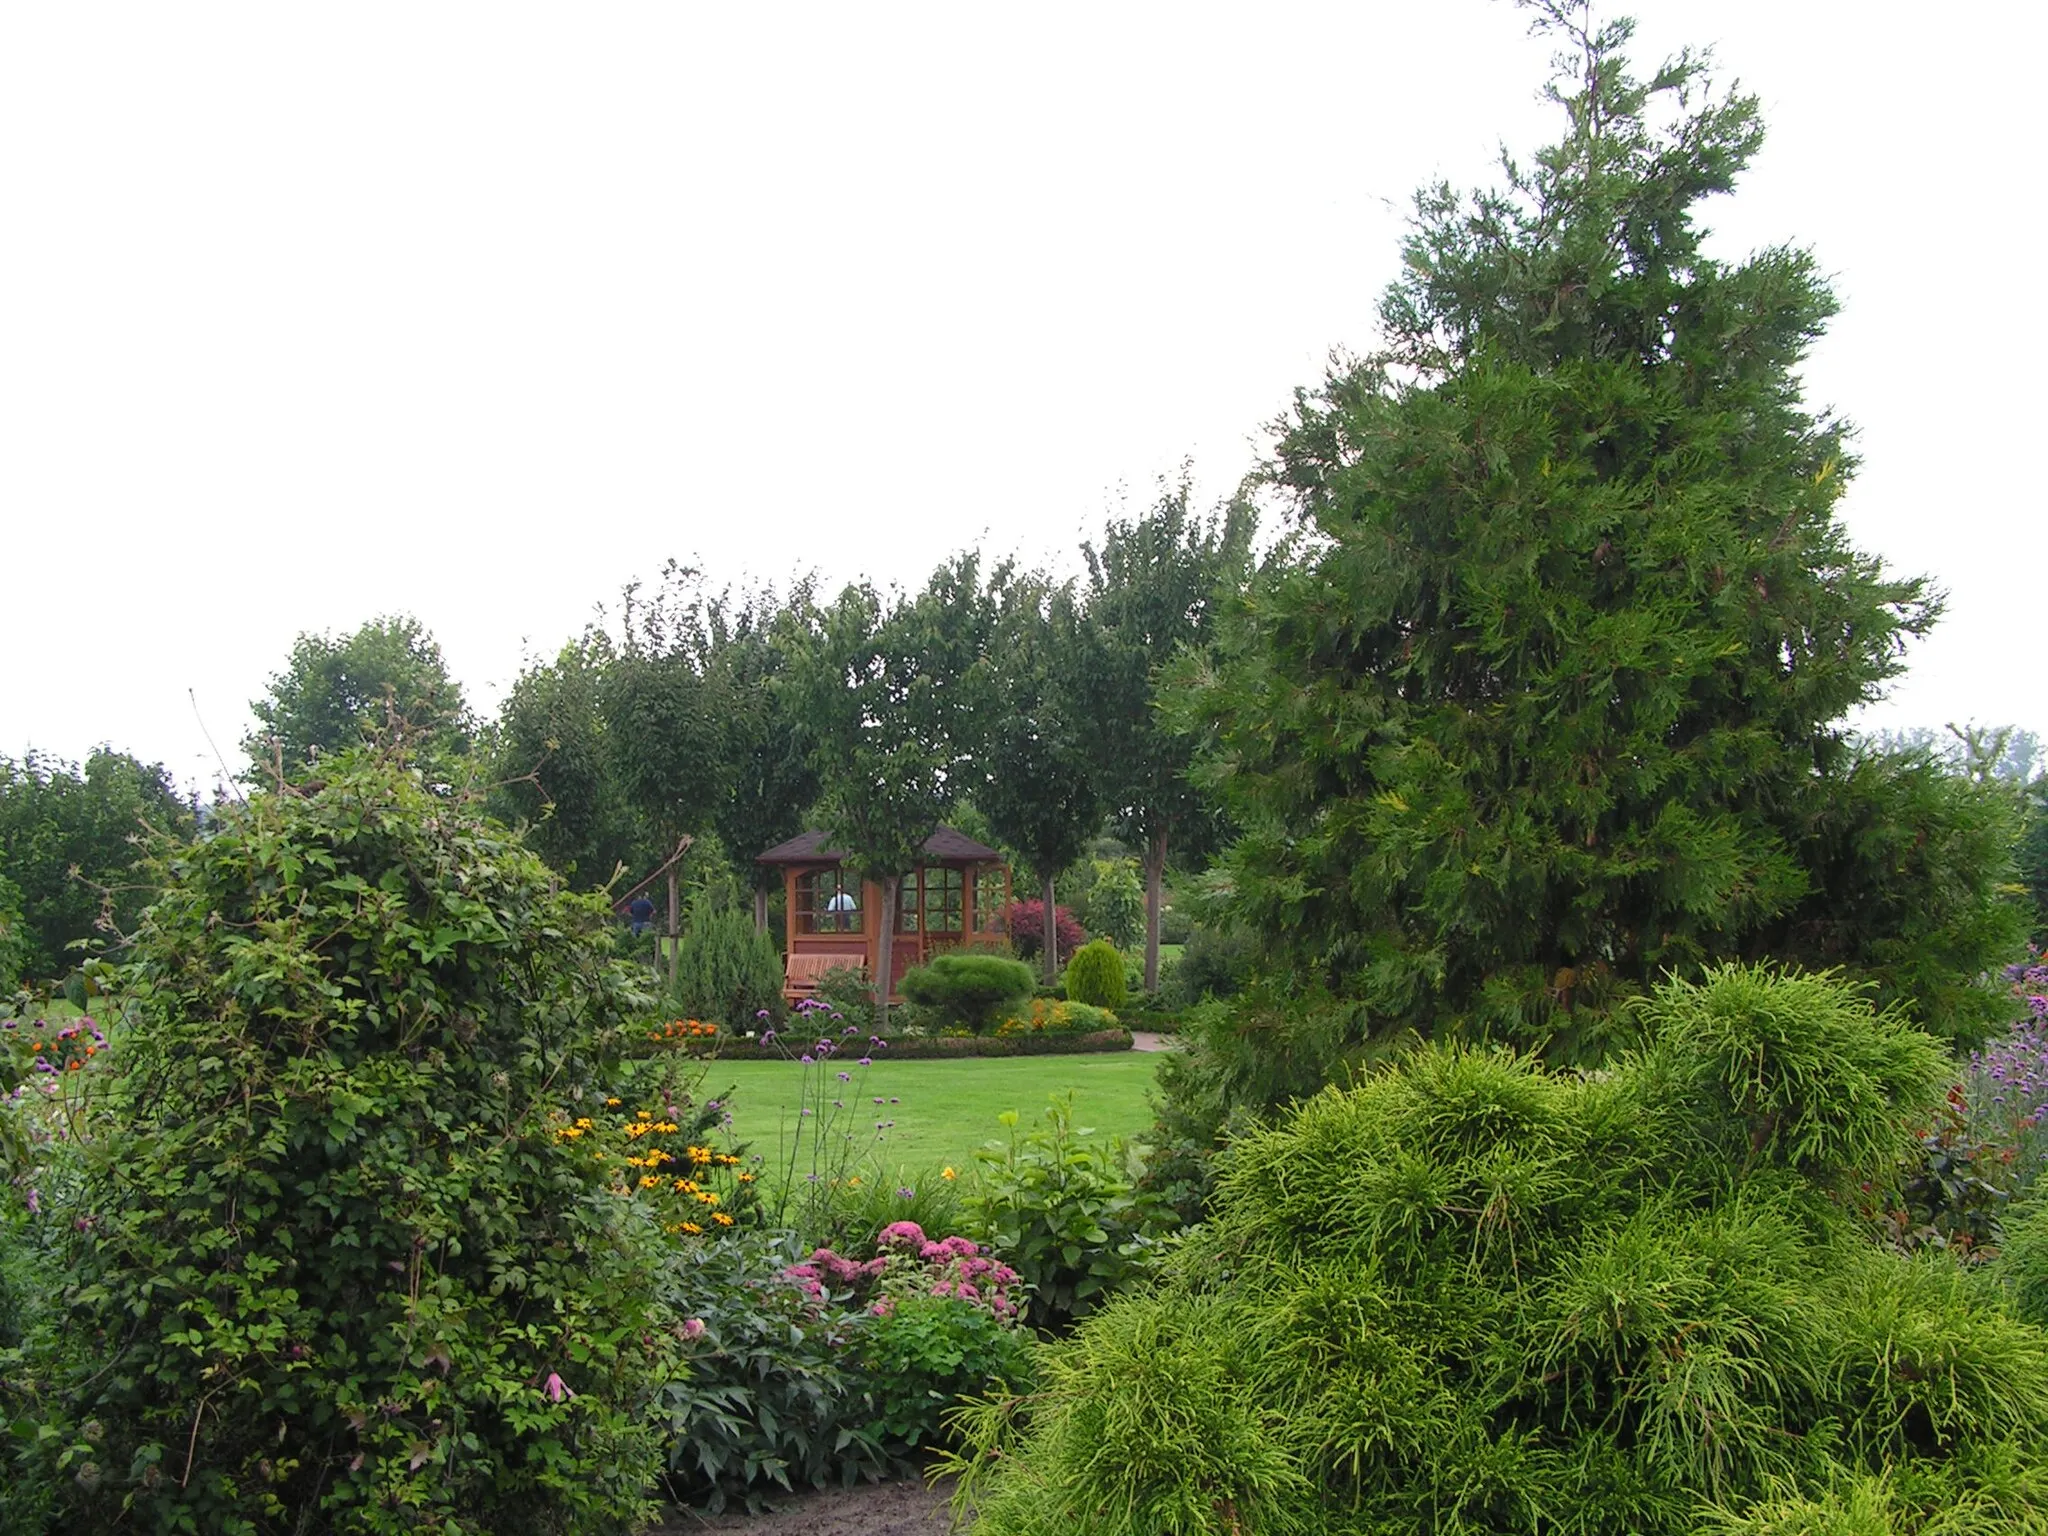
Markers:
<point>944,893</point>
<point>827,901</point>
<point>991,896</point>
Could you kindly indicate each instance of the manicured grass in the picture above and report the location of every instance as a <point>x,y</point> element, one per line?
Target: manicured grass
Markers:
<point>944,1109</point>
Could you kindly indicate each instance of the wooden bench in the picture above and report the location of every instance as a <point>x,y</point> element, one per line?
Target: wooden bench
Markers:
<point>800,979</point>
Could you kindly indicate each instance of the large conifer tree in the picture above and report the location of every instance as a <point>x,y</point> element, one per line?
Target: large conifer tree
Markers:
<point>1548,698</point>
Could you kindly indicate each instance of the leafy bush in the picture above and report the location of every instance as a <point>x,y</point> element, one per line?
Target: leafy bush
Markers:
<point>856,1212</point>
<point>1216,962</point>
<point>726,969</point>
<point>1176,926</point>
<point>1046,1016</point>
<point>1024,921</point>
<point>844,993</point>
<point>769,1400</point>
<point>16,944</point>
<point>968,988</point>
<point>925,1354</point>
<point>1095,976</point>
<point>810,1369</point>
<point>1114,906</point>
<point>2022,1264</point>
<point>951,1047</point>
<point>1065,1212</point>
<point>1474,1294</point>
<point>339,1271</point>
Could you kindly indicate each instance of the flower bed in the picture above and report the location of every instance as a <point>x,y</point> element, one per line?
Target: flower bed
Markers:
<point>926,1047</point>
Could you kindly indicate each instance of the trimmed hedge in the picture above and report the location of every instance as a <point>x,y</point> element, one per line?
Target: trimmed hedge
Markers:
<point>929,1047</point>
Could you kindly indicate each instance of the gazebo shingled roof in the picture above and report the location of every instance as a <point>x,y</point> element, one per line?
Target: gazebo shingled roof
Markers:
<point>943,846</point>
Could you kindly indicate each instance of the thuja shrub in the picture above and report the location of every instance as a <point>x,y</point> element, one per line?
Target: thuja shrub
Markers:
<point>1095,976</point>
<point>1475,1294</point>
<point>337,1269</point>
<point>726,969</point>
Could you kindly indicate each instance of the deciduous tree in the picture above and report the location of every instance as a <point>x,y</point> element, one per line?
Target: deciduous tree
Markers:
<point>1151,594</point>
<point>68,837</point>
<point>894,696</point>
<point>1038,784</point>
<point>334,690</point>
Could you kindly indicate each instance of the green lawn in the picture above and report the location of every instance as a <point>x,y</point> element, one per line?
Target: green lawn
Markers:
<point>944,1109</point>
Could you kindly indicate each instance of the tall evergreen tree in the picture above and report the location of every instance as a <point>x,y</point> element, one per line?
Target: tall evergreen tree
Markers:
<point>1549,698</point>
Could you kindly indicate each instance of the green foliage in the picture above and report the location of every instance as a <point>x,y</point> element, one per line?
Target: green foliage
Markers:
<point>727,971</point>
<point>1038,785</point>
<point>1548,697</point>
<point>1056,1016</point>
<point>553,757</point>
<point>895,700</point>
<point>1152,595</point>
<point>1114,908</point>
<point>1474,1294</point>
<point>16,946</point>
<point>1795,1072</point>
<point>334,691</point>
<point>2031,854</point>
<point>1214,962</point>
<point>968,988</point>
<point>56,817</point>
<point>337,1268</point>
<point>807,1369</point>
<point>769,1402</point>
<point>1065,1213</point>
<point>1095,975</point>
<point>2023,1261</point>
<point>924,1355</point>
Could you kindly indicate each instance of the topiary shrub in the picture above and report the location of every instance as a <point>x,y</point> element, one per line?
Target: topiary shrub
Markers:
<point>727,970</point>
<point>969,989</point>
<point>1095,976</point>
<point>1473,1294</point>
<point>339,1270</point>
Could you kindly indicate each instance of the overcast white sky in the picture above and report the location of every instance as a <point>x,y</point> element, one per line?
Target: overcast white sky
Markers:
<point>479,311</point>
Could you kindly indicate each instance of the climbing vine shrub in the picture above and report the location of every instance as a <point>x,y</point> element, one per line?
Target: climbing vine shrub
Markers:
<point>336,1270</point>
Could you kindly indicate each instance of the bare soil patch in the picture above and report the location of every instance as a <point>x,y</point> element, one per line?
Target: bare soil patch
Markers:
<point>902,1508</point>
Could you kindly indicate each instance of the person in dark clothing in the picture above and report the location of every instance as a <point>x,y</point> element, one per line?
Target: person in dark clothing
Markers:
<point>641,911</point>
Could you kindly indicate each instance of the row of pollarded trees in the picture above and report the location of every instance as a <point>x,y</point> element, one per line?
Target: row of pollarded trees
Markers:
<point>876,714</point>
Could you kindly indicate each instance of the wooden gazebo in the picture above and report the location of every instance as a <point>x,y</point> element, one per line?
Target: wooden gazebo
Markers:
<point>956,896</point>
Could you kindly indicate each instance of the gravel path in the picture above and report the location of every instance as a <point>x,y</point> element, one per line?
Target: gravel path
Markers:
<point>906,1508</point>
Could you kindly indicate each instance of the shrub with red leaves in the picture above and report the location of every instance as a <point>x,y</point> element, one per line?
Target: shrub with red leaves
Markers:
<point>1025,921</point>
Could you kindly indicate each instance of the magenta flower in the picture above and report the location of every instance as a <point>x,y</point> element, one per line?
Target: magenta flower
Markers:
<point>555,1388</point>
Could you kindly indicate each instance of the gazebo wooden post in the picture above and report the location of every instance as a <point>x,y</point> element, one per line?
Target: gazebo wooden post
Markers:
<point>674,927</point>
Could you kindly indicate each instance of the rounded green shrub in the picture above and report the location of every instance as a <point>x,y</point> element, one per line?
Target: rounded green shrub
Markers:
<point>1475,1294</point>
<point>1095,976</point>
<point>969,988</point>
<point>338,1269</point>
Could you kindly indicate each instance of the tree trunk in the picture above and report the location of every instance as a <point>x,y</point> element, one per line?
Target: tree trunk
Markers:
<point>885,950</point>
<point>1052,938</point>
<point>760,910</point>
<point>674,928</point>
<point>1155,875</point>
